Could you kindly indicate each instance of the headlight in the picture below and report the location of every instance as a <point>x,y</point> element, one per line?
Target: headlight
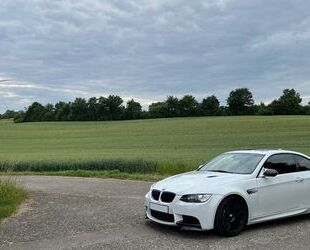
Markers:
<point>195,198</point>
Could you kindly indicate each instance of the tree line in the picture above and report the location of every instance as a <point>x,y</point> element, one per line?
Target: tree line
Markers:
<point>239,102</point>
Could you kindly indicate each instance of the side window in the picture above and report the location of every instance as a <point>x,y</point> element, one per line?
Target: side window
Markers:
<point>302,163</point>
<point>283,163</point>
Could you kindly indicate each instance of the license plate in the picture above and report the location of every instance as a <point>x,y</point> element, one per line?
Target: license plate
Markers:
<point>160,208</point>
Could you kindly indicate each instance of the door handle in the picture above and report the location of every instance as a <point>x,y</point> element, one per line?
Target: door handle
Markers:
<point>299,179</point>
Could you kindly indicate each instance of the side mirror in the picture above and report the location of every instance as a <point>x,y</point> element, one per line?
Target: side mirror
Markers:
<point>269,172</point>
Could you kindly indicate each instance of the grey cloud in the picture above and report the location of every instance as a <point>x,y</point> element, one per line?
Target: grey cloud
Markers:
<point>151,49</point>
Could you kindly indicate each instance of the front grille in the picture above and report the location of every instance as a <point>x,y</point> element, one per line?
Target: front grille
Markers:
<point>162,216</point>
<point>155,194</point>
<point>167,197</point>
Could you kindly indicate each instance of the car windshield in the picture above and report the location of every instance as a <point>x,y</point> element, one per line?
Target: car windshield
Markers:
<point>235,163</point>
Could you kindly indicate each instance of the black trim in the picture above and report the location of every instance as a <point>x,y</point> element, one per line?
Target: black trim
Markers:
<point>167,197</point>
<point>162,216</point>
<point>190,220</point>
<point>155,194</point>
<point>181,223</point>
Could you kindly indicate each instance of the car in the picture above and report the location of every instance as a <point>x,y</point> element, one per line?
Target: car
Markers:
<point>232,191</point>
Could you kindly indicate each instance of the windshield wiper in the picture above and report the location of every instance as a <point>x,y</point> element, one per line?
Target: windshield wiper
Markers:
<point>221,171</point>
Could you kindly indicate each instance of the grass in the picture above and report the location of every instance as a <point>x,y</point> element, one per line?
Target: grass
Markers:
<point>95,173</point>
<point>147,147</point>
<point>11,197</point>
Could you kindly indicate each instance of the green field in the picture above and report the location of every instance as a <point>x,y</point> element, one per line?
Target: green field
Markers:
<point>171,145</point>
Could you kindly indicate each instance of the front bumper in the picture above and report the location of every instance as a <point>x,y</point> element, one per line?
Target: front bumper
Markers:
<point>184,213</point>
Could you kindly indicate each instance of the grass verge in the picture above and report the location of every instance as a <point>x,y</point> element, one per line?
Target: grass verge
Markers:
<point>118,166</point>
<point>11,197</point>
<point>95,173</point>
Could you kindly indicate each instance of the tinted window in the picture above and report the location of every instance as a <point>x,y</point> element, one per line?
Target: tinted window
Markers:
<point>302,162</point>
<point>283,163</point>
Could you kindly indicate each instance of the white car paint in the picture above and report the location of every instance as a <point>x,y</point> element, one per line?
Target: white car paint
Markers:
<point>269,198</point>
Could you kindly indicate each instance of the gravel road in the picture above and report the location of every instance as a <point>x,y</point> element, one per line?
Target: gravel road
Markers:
<point>91,213</point>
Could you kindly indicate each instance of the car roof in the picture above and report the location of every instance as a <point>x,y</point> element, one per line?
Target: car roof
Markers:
<point>267,152</point>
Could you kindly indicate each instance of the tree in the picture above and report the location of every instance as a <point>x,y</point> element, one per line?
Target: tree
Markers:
<point>263,109</point>
<point>62,111</point>
<point>287,104</point>
<point>210,106</point>
<point>188,106</point>
<point>172,107</point>
<point>307,109</point>
<point>49,114</point>
<point>115,108</point>
<point>78,110</point>
<point>157,109</point>
<point>133,110</point>
<point>8,114</point>
<point>19,117</point>
<point>35,112</point>
<point>110,108</point>
<point>240,101</point>
<point>93,109</point>
<point>103,109</point>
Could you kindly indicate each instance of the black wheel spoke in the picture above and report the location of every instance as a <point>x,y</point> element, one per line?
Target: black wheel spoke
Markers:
<point>228,226</point>
<point>233,215</point>
<point>236,205</point>
<point>240,213</point>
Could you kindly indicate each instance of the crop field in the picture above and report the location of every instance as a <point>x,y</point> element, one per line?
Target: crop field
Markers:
<point>163,146</point>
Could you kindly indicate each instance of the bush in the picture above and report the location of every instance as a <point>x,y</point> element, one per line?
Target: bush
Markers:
<point>135,166</point>
<point>124,166</point>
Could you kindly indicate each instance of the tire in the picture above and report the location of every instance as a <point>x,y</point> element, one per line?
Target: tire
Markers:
<point>231,216</point>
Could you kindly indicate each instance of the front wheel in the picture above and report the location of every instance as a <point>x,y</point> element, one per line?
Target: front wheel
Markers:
<point>231,216</point>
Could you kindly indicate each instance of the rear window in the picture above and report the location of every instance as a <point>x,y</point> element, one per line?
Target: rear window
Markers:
<point>302,163</point>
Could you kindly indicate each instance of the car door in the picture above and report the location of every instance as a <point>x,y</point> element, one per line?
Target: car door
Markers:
<point>303,165</point>
<point>281,193</point>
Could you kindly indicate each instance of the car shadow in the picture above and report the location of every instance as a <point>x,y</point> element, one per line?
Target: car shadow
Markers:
<point>197,234</point>
<point>171,230</point>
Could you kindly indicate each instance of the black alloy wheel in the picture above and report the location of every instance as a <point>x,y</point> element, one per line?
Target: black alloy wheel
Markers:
<point>231,216</point>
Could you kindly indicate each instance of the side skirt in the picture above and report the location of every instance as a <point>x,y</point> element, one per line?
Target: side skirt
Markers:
<point>278,216</point>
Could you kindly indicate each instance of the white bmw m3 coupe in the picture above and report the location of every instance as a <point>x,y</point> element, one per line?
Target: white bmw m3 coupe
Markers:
<point>233,190</point>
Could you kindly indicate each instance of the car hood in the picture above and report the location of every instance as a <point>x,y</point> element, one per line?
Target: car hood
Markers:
<point>199,182</point>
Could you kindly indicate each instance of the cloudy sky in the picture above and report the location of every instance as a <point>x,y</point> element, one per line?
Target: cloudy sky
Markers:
<point>148,49</point>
